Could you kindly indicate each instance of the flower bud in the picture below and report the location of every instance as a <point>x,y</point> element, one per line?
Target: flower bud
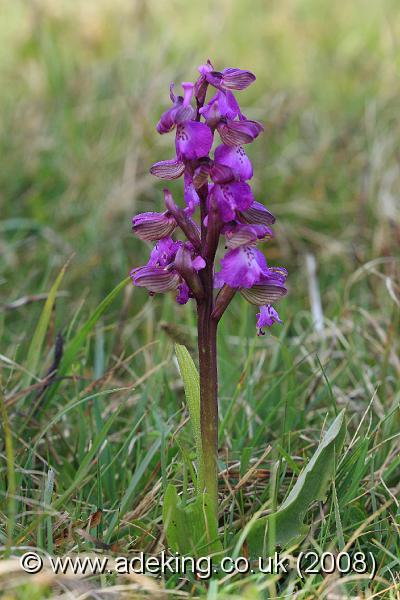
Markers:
<point>187,268</point>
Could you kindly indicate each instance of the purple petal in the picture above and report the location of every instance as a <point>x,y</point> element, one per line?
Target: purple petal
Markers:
<point>163,252</point>
<point>183,293</point>
<point>236,79</point>
<point>231,197</point>
<point>188,88</point>
<point>266,318</point>
<point>201,174</point>
<point>264,293</point>
<point>276,274</point>
<point>183,114</point>
<point>193,140</point>
<point>222,105</point>
<point>257,214</point>
<point>205,69</point>
<point>243,267</point>
<point>243,235</point>
<point>235,158</point>
<point>155,279</point>
<point>151,226</point>
<point>220,173</point>
<point>168,169</point>
<point>167,120</point>
<point>198,263</point>
<point>190,194</point>
<point>237,133</point>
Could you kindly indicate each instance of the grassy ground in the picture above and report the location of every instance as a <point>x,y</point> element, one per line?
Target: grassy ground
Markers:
<point>82,85</point>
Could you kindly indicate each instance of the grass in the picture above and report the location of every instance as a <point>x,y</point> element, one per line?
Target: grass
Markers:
<point>82,87</point>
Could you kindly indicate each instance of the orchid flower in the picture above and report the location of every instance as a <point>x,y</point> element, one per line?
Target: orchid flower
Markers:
<point>216,187</point>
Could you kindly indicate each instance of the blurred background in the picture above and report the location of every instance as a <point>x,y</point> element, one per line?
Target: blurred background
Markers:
<point>82,87</point>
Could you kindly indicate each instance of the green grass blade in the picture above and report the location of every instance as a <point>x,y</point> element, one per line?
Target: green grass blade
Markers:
<point>127,498</point>
<point>79,339</point>
<point>35,347</point>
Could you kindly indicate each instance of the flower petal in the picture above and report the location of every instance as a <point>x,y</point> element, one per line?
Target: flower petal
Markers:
<point>266,318</point>
<point>201,174</point>
<point>220,173</point>
<point>183,293</point>
<point>193,140</point>
<point>256,214</point>
<point>168,169</point>
<point>183,114</point>
<point>236,79</point>
<point>155,279</point>
<point>243,235</point>
<point>222,105</point>
<point>235,158</point>
<point>190,194</point>
<point>243,267</point>
<point>264,293</point>
<point>237,133</point>
<point>153,226</point>
<point>231,197</point>
<point>164,252</point>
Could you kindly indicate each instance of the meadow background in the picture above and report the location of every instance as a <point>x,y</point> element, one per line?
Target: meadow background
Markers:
<point>82,84</point>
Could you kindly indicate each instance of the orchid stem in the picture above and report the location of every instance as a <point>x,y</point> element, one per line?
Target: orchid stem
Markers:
<point>207,344</point>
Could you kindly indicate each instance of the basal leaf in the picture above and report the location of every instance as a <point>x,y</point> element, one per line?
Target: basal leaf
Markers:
<point>191,384</point>
<point>312,484</point>
<point>190,528</point>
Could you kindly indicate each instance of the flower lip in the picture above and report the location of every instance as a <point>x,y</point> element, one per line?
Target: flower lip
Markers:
<point>193,140</point>
<point>243,267</point>
<point>232,197</point>
<point>266,318</point>
<point>235,158</point>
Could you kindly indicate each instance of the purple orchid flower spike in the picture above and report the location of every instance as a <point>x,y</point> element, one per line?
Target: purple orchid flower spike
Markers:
<point>218,204</point>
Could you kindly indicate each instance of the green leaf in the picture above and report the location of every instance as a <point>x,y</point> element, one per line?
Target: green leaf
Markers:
<point>286,525</point>
<point>35,347</point>
<point>191,528</point>
<point>191,384</point>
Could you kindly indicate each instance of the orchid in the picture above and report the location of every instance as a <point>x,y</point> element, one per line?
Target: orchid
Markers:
<point>216,186</point>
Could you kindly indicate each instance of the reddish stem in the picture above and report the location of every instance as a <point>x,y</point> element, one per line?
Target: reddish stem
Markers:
<point>207,345</point>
